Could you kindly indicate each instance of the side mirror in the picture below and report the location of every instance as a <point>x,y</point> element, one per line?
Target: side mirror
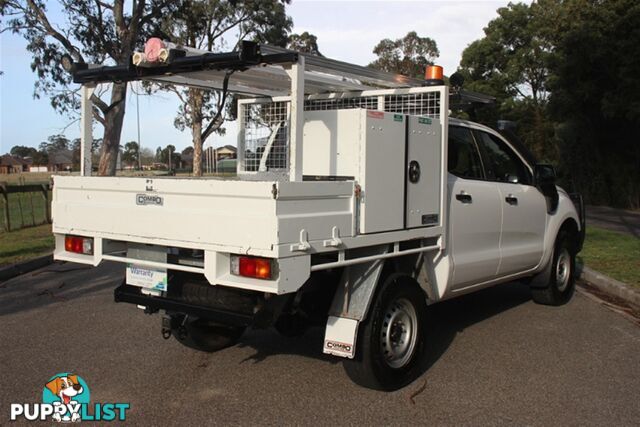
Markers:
<point>544,175</point>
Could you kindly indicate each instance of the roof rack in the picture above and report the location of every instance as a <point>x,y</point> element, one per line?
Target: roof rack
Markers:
<point>262,71</point>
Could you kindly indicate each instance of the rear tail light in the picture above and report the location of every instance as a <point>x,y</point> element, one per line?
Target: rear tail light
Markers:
<point>248,266</point>
<point>78,245</point>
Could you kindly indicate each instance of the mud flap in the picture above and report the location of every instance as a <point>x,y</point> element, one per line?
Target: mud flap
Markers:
<point>340,337</point>
<point>351,303</point>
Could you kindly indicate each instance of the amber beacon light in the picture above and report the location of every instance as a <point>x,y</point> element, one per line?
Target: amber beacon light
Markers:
<point>434,75</point>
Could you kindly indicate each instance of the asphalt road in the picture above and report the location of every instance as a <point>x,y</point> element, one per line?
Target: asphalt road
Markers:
<point>623,221</point>
<point>497,358</point>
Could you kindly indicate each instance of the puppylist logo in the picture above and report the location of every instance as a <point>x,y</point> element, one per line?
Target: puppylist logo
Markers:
<point>66,399</point>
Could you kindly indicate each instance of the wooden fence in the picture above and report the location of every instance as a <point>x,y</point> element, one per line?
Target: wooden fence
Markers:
<point>25,205</point>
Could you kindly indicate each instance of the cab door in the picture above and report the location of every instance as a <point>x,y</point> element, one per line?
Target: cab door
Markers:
<point>523,207</point>
<point>474,213</point>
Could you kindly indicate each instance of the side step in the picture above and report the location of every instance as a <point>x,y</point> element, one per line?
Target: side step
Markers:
<point>132,294</point>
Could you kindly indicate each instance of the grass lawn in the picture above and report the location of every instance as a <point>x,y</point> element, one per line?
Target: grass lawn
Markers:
<point>615,254</point>
<point>25,244</point>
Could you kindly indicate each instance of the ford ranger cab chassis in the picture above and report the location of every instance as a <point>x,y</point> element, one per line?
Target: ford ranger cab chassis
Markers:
<point>358,202</point>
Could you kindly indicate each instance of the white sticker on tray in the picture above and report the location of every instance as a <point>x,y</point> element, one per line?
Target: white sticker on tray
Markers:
<point>146,277</point>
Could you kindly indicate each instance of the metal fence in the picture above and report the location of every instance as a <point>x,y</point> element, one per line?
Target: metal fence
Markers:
<point>266,137</point>
<point>24,206</point>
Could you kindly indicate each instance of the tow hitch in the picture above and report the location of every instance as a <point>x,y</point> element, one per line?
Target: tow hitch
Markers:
<point>170,323</point>
<point>166,327</point>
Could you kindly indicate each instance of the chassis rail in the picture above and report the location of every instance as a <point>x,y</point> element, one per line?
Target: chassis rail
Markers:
<point>132,294</point>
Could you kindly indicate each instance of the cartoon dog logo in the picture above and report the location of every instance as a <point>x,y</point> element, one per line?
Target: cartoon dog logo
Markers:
<point>66,388</point>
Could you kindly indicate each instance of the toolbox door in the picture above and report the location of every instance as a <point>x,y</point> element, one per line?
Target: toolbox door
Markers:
<point>423,174</point>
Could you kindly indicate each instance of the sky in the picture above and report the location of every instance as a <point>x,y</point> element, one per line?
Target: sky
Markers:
<point>346,30</point>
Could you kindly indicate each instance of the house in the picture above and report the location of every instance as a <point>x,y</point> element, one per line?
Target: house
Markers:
<point>61,160</point>
<point>30,165</point>
<point>11,164</point>
<point>227,152</point>
<point>38,168</point>
<point>211,156</point>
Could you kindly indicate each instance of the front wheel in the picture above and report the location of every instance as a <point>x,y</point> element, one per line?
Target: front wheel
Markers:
<point>561,282</point>
<point>390,340</point>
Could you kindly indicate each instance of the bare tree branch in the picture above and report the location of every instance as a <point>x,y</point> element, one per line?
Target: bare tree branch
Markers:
<point>118,17</point>
<point>44,21</point>
<point>105,5</point>
<point>138,9</point>
<point>98,117</point>
<point>68,125</point>
<point>100,103</point>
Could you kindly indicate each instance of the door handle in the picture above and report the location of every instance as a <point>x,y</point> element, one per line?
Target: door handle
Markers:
<point>464,197</point>
<point>511,199</point>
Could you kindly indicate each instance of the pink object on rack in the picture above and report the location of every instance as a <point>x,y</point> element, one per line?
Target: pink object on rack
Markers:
<point>152,49</point>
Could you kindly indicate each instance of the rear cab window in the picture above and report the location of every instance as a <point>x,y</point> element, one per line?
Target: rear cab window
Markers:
<point>501,163</point>
<point>463,156</point>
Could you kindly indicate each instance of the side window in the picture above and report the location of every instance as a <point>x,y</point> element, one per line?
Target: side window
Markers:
<point>464,159</point>
<point>502,164</point>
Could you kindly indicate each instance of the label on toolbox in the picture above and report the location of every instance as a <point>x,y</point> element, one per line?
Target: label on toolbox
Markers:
<point>147,277</point>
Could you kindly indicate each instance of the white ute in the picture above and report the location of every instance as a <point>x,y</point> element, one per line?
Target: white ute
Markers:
<point>357,204</point>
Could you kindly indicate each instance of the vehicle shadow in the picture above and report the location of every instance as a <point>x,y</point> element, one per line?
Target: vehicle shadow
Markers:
<point>449,318</point>
<point>445,320</point>
<point>268,343</point>
<point>56,283</point>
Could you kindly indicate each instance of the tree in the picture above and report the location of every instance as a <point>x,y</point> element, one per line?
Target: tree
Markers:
<point>38,157</point>
<point>512,55</point>
<point>54,143</point>
<point>511,63</point>
<point>169,156</point>
<point>305,43</point>
<point>409,55</point>
<point>595,97</point>
<point>146,156</point>
<point>540,61</point>
<point>131,153</point>
<point>94,31</point>
<point>76,151</point>
<point>213,25</point>
<point>22,151</point>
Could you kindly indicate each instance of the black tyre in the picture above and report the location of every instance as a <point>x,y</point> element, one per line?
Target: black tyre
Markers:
<point>204,335</point>
<point>561,282</point>
<point>391,339</point>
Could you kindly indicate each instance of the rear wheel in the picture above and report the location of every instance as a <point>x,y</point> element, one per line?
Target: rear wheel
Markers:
<point>204,335</point>
<point>390,340</point>
<point>561,283</point>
